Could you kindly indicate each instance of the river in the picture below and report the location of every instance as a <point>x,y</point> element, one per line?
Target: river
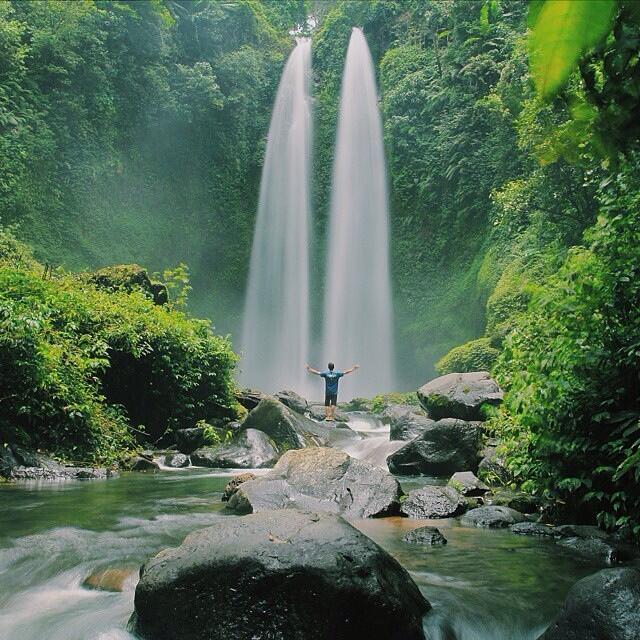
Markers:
<point>483,585</point>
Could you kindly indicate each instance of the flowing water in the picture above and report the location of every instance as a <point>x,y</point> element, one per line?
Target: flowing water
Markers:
<point>275,335</point>
<point>358,305</point>
<point>483,585</point>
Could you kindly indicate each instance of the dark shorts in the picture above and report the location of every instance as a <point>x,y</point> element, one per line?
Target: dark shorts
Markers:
<point>330,399</point>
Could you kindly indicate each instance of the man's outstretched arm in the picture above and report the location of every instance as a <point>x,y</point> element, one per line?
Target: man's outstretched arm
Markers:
<point>312,370</point>
<point>355,366</point>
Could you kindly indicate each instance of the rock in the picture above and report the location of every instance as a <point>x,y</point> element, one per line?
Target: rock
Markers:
<point>443,448</point>
<point>188,440</point>
<point>280,423</point>
<point>535,529</point>
<point>357,404</point>
<point>249,449</point>
<point>321,479</point>
<point>425,535</point>
<point>592,548</point>
<point>432,502</point>
<point>602,606</point>
<point>459,395</point>
<point>492,517</point>
<point>406,425</point>
<point>492,467</point>
<point>143,464</point>
<point>284,575</point>
<point>8,460</point>
<point>233,484</point>
<point>467,484</point>
<point>108,579</point>
<point>292,400</point>
<point>581,531</point>
<point>317,412</point>
<point>176,460</point>
<point>517,500</point>
<point>250,398</point>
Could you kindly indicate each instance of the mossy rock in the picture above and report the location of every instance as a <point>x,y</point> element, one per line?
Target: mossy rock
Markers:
<point>129,277</point>
<point>476,355</point>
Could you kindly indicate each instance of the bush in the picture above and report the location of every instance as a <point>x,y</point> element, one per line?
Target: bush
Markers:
<point>476,355</point>
<point>380,402</point>
<point>83,367</point>
<point>570,368</point>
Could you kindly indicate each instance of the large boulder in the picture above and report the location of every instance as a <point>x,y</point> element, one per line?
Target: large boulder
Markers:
<point>232,486</point>
<point>442,449</point>
<point>188,440</point>
<point>405,422</point>
<point>459,395</point>
<point>432,502</point>
<point>321,479</point>
<point>292,400</point>
<point>249,449</point>
<point>518,500</point>
<point>492,517</point>
<point>176,460</point>
<point>249,398</point>
<point>491,467</point>
<point>467,484</point>
<point>429,536</point>
<point>285,575</point>
<point>602,606</point>
<point>318,412</point>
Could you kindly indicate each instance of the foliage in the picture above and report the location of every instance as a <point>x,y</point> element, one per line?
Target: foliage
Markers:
<point>84,367</point>
<point>570,368</point>
<point>380,402</point>
<point>476,355</point>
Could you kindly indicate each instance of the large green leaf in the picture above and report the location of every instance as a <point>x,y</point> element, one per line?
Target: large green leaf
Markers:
<point>562,31</point>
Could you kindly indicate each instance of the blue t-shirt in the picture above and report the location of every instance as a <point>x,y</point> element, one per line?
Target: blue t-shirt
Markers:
<point>331,380</point>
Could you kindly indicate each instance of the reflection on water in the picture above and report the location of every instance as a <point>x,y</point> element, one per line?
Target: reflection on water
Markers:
<point>482,584</point>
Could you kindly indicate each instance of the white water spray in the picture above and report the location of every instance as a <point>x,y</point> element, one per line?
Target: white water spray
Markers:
<point>275,337</point>
<point>358,306</point>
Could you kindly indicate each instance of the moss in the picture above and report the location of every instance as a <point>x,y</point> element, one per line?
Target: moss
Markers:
<point>477,355</point>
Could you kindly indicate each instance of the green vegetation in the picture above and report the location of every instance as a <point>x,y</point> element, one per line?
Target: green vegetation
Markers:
<point>89,370</point>
<point>476,355</point>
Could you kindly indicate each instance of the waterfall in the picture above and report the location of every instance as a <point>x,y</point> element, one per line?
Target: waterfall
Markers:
<point>358,311</point>
<point>275,338</point>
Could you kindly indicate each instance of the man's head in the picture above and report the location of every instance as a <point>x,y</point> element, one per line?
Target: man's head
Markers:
<point>331,366</point>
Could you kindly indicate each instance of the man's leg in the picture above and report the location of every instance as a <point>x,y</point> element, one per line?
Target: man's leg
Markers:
<point>332,407</point>
<point>327,407</point>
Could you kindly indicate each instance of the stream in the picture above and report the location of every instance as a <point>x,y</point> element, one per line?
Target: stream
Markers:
<point>483,585</point>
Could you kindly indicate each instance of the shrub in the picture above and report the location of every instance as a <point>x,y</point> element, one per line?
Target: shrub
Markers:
<point>476,355</point>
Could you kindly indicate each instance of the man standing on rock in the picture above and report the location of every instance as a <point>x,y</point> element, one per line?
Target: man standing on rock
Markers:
<point>331,379</point>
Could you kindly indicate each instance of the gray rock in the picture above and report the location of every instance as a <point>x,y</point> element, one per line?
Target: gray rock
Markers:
<point>432,502</point>
<point>61,473</point>
<point>292,400</point>
<point>250,398</point>
<point>140,463</point>
<point>233,484</point>
<point>602,606</point>
<point>317,412</point>
<point>596,548</point>
<point>492,517</point>
<point>459,395</point>
<point>284,575</point>
<point>409,426</point>
<point>176,460</point>
<point>321,479</point>
<point>581,531</point>
<point>188,440</point>
<point>467,484</point>
<point>249,449</point>
<point>425,535</point>
<point>535,529</point>
<point>443,448</point>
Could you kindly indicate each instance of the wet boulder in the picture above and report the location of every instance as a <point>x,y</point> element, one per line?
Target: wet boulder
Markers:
<point>249,449</point>
<point>518,500</point>
<point>112,579</point>
<point>602,606</point>
<point>318,412</point>
<point>429,536</point>
<point>442,449</point>
<point>432,502</point>
<point>233,484</point>
<point>143,463</point>
<point>292,400</point>
<point>176,460</point>
<point>459,395</point>
<point>595,548</point>
<point>492,517</point>
<point>287,575</point>
<point>491,467</point>
<point>535,529</point>
<point>405,421</point>
<point>467,484</point>
<point>321,479</point>
<point>188,440</point>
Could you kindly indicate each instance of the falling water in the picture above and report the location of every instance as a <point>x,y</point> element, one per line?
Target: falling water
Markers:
<point>275,337</point>
<point>358,316</point>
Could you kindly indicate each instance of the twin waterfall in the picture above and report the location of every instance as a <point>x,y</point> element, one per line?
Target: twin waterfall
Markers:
<point>358,308</point>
